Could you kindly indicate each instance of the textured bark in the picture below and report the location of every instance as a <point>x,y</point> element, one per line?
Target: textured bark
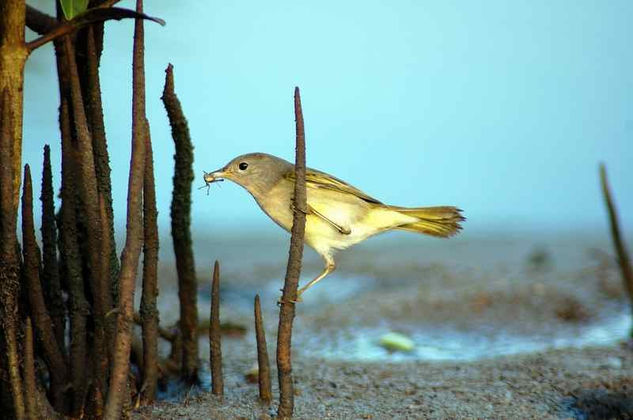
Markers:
<point>50,267</point>
<point>87,186</point>
<point>118,391</point>
<point>89,57</point>
<point>13,54</point>
<point>287,311</point>
<point>37,405</point>
<point>175,353</point>
<point>263,375</point>
<point>618,243</point>
<point>9,263</point>
<point>30,386</point>
<point>43,323</point>
<point>163,333</point>
<point>149,311</point>
<point>79,309</point>
<point>180,230</point>
<point>215,338</point>
<point>83,341</point>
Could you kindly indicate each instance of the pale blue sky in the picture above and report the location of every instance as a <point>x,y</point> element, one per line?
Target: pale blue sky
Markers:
<point>503,108</point>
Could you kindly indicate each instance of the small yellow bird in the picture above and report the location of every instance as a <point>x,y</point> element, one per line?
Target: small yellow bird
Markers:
<point>339,215</point>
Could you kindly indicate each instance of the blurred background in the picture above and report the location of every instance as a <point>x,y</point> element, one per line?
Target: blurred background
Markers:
<point>501,108</point>
<point>504,109</point>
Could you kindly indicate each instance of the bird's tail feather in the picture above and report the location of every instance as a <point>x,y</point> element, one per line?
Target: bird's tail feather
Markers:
<point>442,221</point>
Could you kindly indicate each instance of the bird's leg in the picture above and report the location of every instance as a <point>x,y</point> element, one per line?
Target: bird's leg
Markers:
<point>330,266</point>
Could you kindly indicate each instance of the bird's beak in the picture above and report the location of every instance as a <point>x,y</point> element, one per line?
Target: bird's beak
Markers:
<point>214,176</point>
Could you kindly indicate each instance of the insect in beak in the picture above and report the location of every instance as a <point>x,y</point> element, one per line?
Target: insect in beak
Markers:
<point>209,178</point>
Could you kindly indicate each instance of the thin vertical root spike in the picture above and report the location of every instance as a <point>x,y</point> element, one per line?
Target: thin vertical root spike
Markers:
<point>293,270</point>
<point>616,236</point>
<point>215,343</point>
<point>263,376</point>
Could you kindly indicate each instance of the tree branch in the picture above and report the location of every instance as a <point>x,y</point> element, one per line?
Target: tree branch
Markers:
<point>38,21</point>
<point>94,15</point>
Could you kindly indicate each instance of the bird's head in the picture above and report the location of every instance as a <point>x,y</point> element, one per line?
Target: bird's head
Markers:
<point>256,172</point>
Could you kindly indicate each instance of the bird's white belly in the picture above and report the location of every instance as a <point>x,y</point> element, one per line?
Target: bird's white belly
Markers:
<point>323,237</point>
<point>349,212</point>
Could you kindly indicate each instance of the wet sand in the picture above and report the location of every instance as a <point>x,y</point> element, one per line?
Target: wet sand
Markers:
<point>504,327</point>
<point>589,383</point>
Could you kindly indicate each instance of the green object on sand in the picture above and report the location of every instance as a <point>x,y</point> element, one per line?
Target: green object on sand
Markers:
<point>394,341</point>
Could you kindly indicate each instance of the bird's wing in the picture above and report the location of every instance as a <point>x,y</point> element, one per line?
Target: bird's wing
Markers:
<point>342,229</point>
<point>318,179</point>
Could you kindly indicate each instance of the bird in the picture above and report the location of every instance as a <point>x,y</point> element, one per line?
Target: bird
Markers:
<point>338,214</point>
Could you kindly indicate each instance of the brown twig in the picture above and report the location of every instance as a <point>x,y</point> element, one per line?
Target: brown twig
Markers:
<point>38,21</point>
<point>149,311</point>
<point>215,343</point>
<point>88,65</point>
<point>136,354</point>
<point>41,23</point>
<point>97,14</point>
<point>175,352</point>
<point>263,375</point>
<point>86,181</point>
<point>42,320</point>
<point>79,309</point>
<point>293,271</point>
<point>134,234</point>
<point>30,384</point>
<point>50,266</point>
<point>94,402</point>
<point>181,231</point>
<point>164,333</point>
<point>618,241</point>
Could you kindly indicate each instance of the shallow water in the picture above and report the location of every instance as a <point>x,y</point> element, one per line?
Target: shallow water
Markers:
<point>341,318</point>
<point>433,342</point>
<point>464,302</point>
<point>449,344</point>
<point>431,345</point>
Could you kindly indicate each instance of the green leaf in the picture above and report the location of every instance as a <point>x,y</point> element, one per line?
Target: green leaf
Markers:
<point>72,8</point>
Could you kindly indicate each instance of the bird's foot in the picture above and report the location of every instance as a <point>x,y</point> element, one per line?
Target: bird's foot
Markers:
<point>294,209</point>
<point>297,299</point>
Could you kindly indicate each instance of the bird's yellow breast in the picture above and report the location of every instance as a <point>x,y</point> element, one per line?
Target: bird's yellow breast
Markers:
<point>361,218</point>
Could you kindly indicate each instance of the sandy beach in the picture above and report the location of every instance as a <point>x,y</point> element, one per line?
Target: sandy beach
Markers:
<point>512,326</point>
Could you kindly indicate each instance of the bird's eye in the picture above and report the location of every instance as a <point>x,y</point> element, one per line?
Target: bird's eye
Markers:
<point>243,166</point>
